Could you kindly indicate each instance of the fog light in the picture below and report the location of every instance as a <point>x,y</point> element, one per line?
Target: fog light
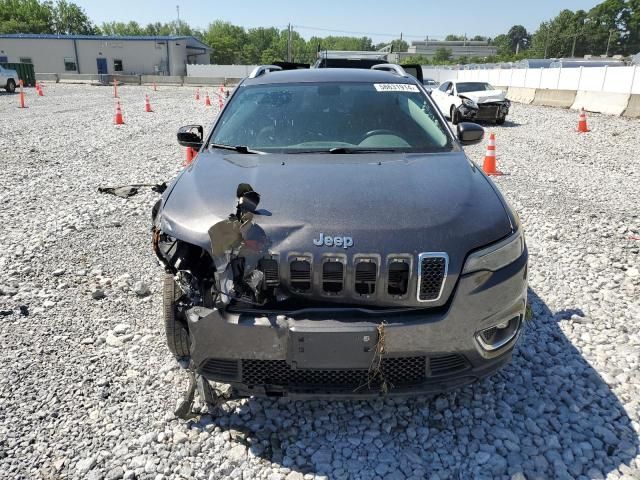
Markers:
<point>496,336</point>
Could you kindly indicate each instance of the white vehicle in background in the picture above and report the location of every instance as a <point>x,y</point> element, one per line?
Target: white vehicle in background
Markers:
<point>430,84</point>
<point>472,101</point>
<point>8,79</point>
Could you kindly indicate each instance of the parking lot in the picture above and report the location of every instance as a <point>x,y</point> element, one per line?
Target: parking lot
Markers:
<point>88,387</point>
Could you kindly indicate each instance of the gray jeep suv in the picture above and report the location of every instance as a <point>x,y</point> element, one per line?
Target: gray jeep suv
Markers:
<point>331,238</point>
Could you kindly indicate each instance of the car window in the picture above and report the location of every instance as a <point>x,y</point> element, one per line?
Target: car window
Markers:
<point>319,116</point>
<point>473,87</point>
<point>444,86</point>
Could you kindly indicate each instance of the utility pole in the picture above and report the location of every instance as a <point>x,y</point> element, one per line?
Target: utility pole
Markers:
<point>573,48</point>
<point>178,29</point>
<point>518,47</point>
<point>289,45</point>
<point>609,42</point>
<point>546,44</point>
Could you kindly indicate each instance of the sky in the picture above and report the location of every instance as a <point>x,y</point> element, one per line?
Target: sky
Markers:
<point>382,20</point>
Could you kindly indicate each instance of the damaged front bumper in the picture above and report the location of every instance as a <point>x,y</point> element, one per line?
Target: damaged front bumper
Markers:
<point>348,353</point>
<point>490,111</point>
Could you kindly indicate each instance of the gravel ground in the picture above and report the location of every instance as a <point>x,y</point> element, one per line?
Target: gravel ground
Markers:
<point>88,387</point>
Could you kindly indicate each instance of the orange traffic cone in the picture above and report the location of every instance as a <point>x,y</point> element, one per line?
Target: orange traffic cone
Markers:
<point>582,122</point>
<point>39,89</point>
<point>117,120</point>
<point>189,156</point>
<point>197,94</point>
<point>220,103</point>
<point>147,105</point>
<point>22,105</point>
<point>489,165</point>
<point>207,100</point>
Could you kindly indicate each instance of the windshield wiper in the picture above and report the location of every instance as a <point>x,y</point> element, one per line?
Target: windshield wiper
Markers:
<point>359,150</point>
<point>237,148</point>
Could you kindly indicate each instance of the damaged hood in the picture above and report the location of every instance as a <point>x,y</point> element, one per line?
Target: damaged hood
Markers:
<point>386,203</point>
<point>485,96</point>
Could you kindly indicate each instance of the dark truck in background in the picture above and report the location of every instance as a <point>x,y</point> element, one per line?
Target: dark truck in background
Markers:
<point>351,59</point>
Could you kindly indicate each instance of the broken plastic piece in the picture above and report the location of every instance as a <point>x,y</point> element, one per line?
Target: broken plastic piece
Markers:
<point>127,191</point>
<point>184,410</point>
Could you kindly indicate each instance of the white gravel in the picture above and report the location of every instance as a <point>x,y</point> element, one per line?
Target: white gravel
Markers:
<point>88,387</point>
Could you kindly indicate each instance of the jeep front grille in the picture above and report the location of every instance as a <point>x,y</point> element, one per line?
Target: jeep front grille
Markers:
<point>332,276</point>
<point>431,275</point>
<point>269,267</point>
<point>366,277</point>
<point>222,369</point>
<point>300,273</point>
<point>394,371</point>
<point>398,279</point>
<point>447,364</point>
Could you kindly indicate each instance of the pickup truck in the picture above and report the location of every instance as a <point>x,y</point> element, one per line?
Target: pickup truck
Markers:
<point>8,79</point>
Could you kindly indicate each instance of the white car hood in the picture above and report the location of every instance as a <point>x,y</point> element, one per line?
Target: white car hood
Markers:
<point>485,96</point>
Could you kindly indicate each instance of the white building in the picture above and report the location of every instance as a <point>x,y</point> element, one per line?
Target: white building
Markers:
<point>92,54</point>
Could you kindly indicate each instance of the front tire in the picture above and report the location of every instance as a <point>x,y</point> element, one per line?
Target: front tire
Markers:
<point>175,327</point>
<point>455,115</point>
<point>11,86</point>
<point>501,120</point>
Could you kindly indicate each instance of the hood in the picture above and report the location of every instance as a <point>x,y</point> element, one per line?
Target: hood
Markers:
<point>398,203</point>
<point>485,96</point>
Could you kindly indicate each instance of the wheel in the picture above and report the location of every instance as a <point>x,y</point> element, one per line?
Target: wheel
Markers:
<point>175,328</point>
<point>11,86</point>
<point>500,120</point>
<point>454,115</point>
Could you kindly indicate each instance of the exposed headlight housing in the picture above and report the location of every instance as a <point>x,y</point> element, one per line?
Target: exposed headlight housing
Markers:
<point>496,256</point>
<point>469,103</point>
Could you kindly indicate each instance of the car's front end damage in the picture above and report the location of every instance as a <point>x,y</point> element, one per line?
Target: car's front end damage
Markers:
<point>485,108</point>
<point>285,294</point>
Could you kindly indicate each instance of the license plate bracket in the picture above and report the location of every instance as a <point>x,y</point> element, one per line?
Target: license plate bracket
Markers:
<point>331,349</point>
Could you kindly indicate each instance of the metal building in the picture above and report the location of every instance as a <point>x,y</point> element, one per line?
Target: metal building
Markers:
<point>93,54</point>
<point>467,48</point>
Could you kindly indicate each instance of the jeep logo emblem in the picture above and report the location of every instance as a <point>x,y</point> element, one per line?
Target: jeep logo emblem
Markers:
<point>327,241</point>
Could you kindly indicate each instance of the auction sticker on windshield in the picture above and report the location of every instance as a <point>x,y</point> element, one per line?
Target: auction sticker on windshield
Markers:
<point>395,87</point>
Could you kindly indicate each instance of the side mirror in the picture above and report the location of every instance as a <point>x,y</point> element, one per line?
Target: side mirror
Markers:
<point>470,133</point>
<point>191,136</point>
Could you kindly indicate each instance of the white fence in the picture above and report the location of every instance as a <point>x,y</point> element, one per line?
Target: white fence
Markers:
<point>592,79</point>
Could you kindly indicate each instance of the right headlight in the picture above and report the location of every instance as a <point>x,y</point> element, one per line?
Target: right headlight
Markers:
<point>496,256</point>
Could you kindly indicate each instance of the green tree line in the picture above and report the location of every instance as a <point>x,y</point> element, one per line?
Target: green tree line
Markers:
<point>611,27</point>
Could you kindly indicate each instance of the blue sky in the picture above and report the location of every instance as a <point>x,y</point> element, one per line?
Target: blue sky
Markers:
<point>414,18</point>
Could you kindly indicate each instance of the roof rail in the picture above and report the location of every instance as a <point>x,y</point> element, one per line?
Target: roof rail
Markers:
<point>262,69</point>
<point>390,67</point>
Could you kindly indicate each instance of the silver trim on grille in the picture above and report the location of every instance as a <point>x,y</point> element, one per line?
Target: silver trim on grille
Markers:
<point>444,278</point>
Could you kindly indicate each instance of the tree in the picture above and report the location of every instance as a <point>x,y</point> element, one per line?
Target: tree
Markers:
<point>25,16</point>
<point>454,38</point>
<point>122,28</point>
<point>442,55</point>
<point>413,59</point>
<point>399,45</point>
<point>503,44</point>
<point>69,18</point>
<point>227,41</point>
<point>518,35</point>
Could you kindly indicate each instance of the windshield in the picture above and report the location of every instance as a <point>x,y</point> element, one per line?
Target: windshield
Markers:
<point>320,117</point>
<point>473,87</point>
